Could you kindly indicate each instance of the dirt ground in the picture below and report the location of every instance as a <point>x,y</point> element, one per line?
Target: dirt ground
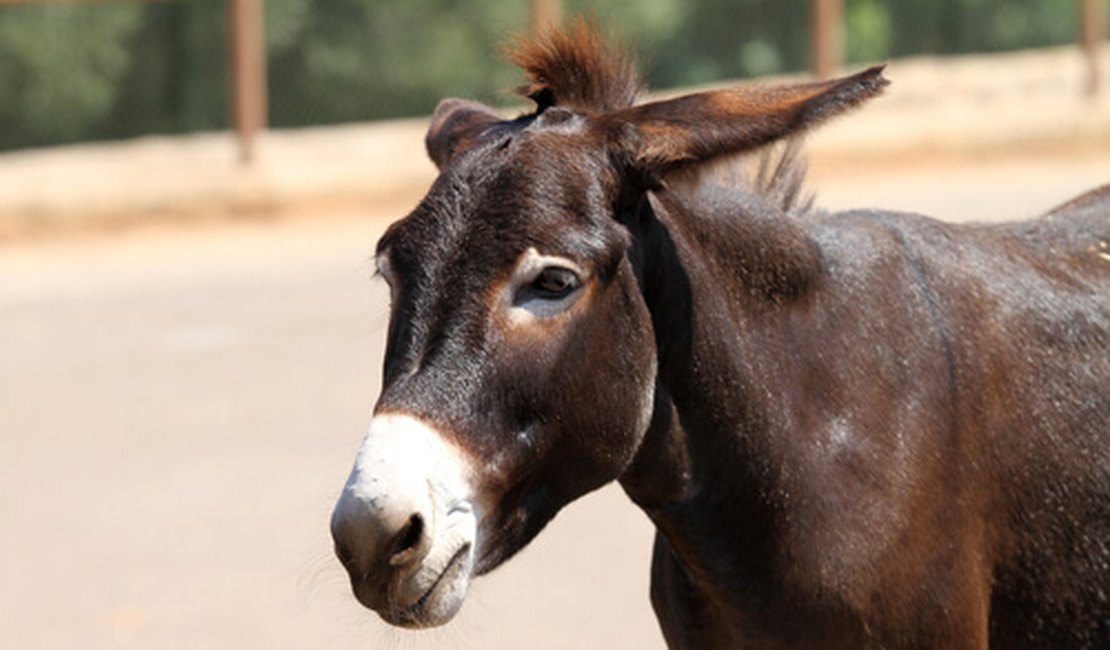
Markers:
<point>180,403</point>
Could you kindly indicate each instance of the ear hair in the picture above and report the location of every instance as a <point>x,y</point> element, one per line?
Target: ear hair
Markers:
<point>668,135</point>
<point>456,125</point>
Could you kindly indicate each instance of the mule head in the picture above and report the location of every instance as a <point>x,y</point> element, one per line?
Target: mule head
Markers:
<point>521,362</point>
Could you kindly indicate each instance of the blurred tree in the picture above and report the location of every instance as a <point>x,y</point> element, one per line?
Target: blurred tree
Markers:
<point>721,39</point>
<point>361,59</point>
<point>108,71</point>
<point>868,31</point>
<point>60,68</point>
<point>178,82</point>
<point>961,26</point>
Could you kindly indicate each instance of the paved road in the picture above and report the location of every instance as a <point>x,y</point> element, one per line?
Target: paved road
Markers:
<point>178,408</point>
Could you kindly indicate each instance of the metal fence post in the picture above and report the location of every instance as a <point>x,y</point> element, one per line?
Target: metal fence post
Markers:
<point>1092,22</point>
<point>247,59</point>
<point>826,36</point>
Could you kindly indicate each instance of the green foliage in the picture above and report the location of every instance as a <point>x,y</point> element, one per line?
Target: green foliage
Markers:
<point>961,26</point>
<point>868,31</point>
<point>60,68</point>
<point>722,39</point>
<point>380,58</point>
<point>78,72</point>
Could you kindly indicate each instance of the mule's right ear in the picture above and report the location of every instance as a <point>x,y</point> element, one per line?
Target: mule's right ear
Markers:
<point>673,134</point>
<point>457,123</point>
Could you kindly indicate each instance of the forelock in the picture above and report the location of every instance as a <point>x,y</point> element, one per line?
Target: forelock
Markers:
<point>578,68</point>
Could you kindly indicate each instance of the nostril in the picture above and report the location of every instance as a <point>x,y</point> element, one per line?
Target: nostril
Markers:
<point>410,535</point>
<point>410,542</point>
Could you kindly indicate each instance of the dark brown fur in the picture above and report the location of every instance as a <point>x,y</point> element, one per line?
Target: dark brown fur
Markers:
<point>868,429</point>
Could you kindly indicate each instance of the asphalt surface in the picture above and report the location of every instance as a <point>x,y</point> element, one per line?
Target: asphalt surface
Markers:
<point>179,407</point>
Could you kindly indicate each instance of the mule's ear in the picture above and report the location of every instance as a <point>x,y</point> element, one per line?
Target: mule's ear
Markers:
<point>672,134</point>
<point>455,126</point>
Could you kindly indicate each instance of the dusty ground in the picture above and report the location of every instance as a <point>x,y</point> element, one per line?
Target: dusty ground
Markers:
<point>180,403</point>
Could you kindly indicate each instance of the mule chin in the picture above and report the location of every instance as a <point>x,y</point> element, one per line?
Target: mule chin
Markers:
<point>431,596</point>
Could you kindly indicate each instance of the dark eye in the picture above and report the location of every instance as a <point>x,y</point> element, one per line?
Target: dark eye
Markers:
<point>554,283</point>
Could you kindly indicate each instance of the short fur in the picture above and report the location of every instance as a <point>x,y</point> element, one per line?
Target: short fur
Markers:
<point>867,429</point>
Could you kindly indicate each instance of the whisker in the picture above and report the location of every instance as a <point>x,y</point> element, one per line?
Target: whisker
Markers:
<point>321,570</point>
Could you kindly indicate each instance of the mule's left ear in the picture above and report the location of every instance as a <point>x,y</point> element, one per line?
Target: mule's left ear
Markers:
<point>664,136</point>
<point>457,123</point>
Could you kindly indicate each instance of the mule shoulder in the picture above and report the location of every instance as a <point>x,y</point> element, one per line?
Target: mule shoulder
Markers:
<point>1019,314</point>
<point>1073,239</point>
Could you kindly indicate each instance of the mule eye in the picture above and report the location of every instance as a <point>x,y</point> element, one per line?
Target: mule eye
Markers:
<point>554,283</point>
<point>542,286</point>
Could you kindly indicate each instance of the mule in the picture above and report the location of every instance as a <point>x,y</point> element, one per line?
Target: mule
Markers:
<point>854,429</point>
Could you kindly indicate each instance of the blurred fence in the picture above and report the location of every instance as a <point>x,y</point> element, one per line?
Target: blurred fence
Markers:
<point>92,70</point>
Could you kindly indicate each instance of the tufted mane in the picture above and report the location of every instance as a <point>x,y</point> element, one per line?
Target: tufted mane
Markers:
<point>577,68</point>
<point>585,69</point>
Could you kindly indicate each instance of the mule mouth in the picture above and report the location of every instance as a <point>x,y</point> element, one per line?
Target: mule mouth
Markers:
<point>405,525</point>
<point>439,601</point>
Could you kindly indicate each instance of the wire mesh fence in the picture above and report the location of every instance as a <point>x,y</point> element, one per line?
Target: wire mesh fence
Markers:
<point>80,70</point>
